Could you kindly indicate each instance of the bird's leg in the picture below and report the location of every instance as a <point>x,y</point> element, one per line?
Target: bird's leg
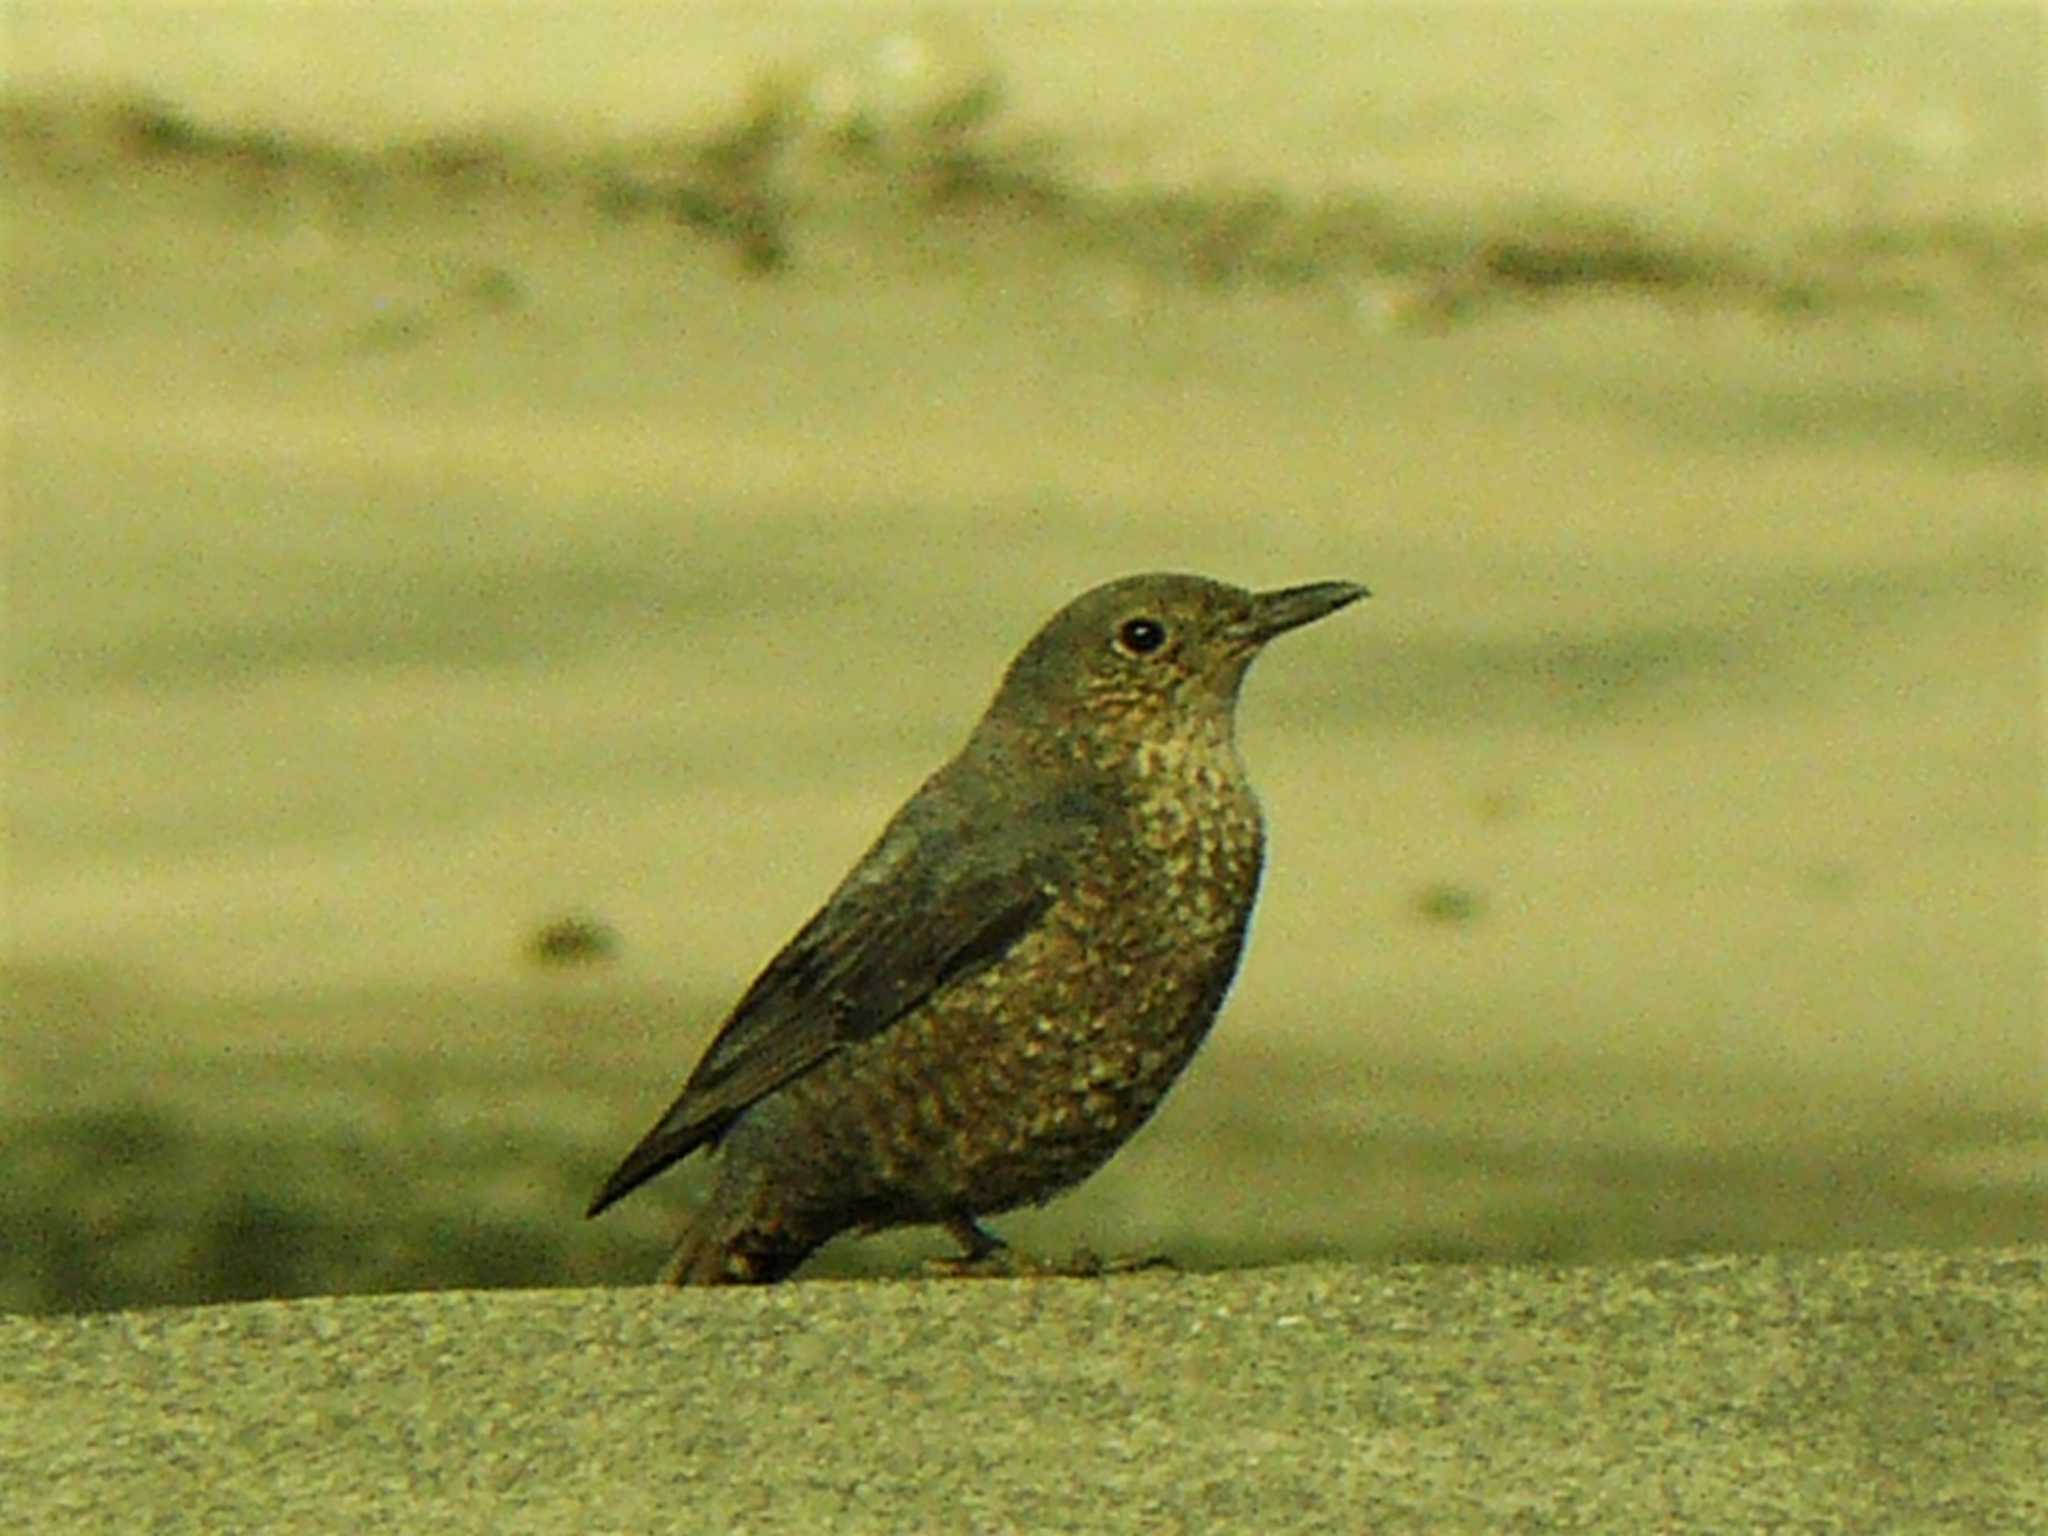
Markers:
<point>976,1241</point>
<point>984,1256</point>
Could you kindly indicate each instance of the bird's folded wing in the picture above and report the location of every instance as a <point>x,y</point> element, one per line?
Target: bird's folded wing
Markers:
<point>937,899</point>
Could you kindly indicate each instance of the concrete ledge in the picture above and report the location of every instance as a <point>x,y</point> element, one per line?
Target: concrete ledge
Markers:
<point>1893,1391</point>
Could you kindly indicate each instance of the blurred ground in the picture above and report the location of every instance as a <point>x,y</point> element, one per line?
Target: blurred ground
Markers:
<point>421,530</point>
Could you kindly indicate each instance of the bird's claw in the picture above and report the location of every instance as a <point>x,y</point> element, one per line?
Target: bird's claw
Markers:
<point>1006,1263</point>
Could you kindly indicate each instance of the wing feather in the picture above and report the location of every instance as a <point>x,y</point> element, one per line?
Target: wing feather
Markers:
<point>943,894</point>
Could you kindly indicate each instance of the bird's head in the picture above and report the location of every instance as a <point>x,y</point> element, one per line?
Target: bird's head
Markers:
<point>1150,659</point>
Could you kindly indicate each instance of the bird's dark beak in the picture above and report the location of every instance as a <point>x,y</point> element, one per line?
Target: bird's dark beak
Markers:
<point>1274,613</point>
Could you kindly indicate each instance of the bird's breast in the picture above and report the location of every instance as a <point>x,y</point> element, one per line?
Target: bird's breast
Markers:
<point>1150,928</point>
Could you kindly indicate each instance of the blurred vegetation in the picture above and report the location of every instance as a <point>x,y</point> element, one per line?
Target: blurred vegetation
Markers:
<point>233,1175</point>
<point>786,187</point>
<point>134,1204</point>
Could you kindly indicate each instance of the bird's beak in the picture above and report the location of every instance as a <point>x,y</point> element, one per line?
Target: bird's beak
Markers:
<point>1274,613</point>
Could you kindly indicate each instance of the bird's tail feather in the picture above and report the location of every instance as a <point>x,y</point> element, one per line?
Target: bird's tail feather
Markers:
<point>717,1251</point>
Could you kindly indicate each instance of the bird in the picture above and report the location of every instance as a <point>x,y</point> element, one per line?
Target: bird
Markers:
<point>1001,991</point>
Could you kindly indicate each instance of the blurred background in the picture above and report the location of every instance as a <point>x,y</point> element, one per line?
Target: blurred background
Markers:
<point>502,501</point>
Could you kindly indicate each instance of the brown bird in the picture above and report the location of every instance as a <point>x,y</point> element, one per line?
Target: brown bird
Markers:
<point>1004,987</point>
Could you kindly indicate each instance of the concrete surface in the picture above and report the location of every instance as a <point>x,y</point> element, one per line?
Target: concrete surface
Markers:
<point>1852,1392</point>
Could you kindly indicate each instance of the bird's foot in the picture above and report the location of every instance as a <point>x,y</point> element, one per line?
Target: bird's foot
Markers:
<point>1004,1263</point>
<point>1087,1262</point>
<point>988,1257</point>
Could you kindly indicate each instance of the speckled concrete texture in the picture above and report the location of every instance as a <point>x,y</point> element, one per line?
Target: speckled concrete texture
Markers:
<point>1852,1392</point>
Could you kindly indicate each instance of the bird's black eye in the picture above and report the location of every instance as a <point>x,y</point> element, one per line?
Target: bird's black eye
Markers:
<point>1140,637</point>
